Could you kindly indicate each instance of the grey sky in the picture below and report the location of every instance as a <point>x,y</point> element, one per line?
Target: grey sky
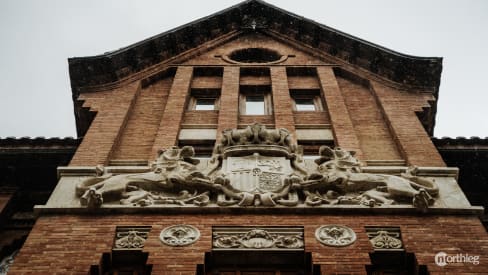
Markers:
<point>37,37</point>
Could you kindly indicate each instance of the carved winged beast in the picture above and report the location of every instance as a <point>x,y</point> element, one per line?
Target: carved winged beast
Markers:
<point>339,173</point>
<point>174,168</point>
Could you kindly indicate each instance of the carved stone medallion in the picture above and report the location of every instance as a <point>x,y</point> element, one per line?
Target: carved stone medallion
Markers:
<point>262,238</point>
<point>179,235</point>
<point>335,235</point>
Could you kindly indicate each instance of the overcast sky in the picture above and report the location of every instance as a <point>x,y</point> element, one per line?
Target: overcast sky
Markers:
<point>37,37</point>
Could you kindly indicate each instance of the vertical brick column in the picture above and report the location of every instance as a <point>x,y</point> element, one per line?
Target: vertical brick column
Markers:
<point>344,133</point>
<point>282,102</point>
<point>104,132</point>
<point>413,141</point>
<point>169,127</point>
<point>229,100</point>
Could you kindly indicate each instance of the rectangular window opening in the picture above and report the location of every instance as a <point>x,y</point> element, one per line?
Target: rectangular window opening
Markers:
<point>204,100</point>
<point>255,105</point>
<point>205,104</point>
<point>306,100</point>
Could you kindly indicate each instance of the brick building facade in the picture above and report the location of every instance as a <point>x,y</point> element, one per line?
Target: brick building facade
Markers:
<point>250,198</point>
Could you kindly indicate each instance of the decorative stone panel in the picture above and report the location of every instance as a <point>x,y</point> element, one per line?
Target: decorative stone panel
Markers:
<point>385,238</point>
<point>179,235</point>
<point>130,237</point>
<point>335,235</point>
<point>257,238</point>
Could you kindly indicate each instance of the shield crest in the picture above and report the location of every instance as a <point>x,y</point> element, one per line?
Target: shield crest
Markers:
<point>258,174</point>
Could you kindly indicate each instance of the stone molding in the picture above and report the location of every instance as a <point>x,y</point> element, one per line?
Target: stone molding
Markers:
<point>335,235</point>
<point>257,238</point>
<point>179,235</point>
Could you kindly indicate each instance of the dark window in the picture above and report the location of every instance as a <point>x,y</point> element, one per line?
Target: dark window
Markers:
<point>254,55</point>
<point>205,104</point>
<point>306,100</point>
<point>204,99</point>
<point>258,263</point>
<point>122,262</point>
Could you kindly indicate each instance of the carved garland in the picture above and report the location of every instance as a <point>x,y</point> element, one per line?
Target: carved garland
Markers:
<point>257,238</point>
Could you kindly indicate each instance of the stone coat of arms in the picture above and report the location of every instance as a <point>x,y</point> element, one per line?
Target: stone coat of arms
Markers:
<point>257,166</point>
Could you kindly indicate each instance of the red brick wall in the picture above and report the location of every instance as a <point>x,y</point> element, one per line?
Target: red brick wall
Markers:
<point>138,136</point>
<point>377,124</point>
<point>370,127</point>
<point>70,244</point>
<point>170,123</point>
<point>344,133</point>
<point>282,102</point>
<point>114,108</point>
<point>229,100</point>
<point>413,141</point>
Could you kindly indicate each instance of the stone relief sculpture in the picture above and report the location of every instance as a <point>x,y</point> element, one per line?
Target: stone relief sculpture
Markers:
<point>131,238</point>
<point>258,238</point>
<point>339,176</point>
<point>385,239</point>
<point>335,235</point>
<point>174,170</point>
<point>257,166</point>
<point>179,235</point>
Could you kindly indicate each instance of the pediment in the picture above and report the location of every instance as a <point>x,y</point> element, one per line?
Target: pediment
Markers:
<point>252,16</point>
<point>279,53</point>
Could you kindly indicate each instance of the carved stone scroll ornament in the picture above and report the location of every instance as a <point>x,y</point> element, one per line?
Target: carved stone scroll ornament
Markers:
<point>335,235</point>
<point>179,235</point>
<point>256,166</point>
<point>385,239</point>
<point>257,238</point>
<point>131,238</point>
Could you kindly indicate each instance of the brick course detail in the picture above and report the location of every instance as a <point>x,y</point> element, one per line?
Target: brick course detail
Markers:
<point>67,244</point>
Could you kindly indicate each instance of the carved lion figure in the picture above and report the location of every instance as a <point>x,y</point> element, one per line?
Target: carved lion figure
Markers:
<point>340,172</point>
<point>173,166</point>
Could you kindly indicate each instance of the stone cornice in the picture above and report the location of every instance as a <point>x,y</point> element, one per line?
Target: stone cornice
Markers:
<point>120,64</point>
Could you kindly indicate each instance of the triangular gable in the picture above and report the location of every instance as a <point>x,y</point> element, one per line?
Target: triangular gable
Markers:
<point>252,15</point>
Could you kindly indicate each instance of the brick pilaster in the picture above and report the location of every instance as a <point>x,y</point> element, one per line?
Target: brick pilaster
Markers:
<point>282,102</point>
<point>344,133</point>
<point>104,132</point>
<point>229,100</point>
<point>169,128</point>
<point>413,141</point>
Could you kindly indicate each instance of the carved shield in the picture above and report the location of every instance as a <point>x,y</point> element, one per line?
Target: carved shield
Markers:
<point>258,174</point>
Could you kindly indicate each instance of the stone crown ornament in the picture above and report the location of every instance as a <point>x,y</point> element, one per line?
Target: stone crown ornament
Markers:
<point>253,167</point>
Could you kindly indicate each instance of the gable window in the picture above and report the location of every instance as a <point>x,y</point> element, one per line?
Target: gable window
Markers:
<point>306,100</point>
<point>204,100</point>
<point>305,104</point>
<point>255,105</point>
<point>255,100</point>
<point>205,104</point>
